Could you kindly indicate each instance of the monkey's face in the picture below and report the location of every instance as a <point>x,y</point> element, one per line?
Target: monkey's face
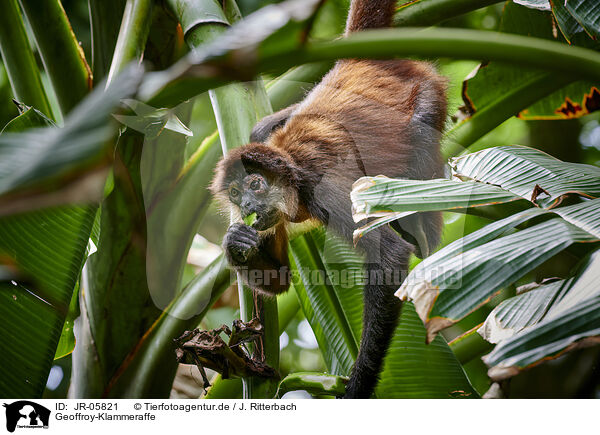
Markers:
<point>255,193</point>
<point>261,179</point>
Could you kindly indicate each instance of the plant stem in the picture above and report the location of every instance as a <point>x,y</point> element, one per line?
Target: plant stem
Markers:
<point>234,123</point>
<point>132,35</point>
<point>469,345</point>
<point>574,62</point>
<point>22,70</point>
<point>456,43</point>
<point>123,218</point>
<point>105,21</point>
<point>430,12</point>
<point>153,356</point>
<point>288,306</point>
<point>59,49</point>
<point>202,21</point>
<point>236,108</point>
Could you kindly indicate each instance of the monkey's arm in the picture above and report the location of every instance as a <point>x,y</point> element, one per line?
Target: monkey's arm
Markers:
<point>262,260</point>
<point>268,124</point>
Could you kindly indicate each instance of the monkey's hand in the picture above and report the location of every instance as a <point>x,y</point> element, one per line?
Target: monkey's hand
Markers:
<point>240,243</point>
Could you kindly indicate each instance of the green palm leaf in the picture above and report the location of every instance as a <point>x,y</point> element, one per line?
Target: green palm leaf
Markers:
<point>48,246</point>
<point>467,273</point>
<point>571,321</point>
<point>529,173</point>
<point>411,367</point>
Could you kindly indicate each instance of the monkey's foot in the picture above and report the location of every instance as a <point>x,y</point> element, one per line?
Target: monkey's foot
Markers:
<point>231,359</point>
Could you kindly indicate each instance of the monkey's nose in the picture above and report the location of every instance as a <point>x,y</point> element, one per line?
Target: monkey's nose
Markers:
<point>245,207</point>
<point>246,210</point>
<point>249,206</point>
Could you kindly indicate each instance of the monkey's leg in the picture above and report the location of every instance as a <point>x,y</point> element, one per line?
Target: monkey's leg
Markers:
<point>381,313</point>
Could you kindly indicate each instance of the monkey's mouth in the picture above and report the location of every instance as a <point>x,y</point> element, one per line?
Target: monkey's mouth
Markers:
<point>264,221</point>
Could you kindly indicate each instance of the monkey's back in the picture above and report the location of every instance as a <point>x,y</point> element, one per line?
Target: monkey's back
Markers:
<point>367,118</point>
<point>370,117</point>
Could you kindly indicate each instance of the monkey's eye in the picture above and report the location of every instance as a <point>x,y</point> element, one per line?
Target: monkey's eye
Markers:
<point>234,193</point>
<point>255,185</point>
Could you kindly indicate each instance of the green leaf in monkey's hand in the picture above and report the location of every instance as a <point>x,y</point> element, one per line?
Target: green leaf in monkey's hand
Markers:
<point>250,219</point>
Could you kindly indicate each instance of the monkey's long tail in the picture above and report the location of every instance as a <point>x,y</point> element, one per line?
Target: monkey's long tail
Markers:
<point>370,14</point>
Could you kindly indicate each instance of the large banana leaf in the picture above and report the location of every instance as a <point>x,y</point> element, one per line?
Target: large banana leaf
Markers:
<point>153,357</point>
<point>586,13</point>
<point>519,312</point>
<point>431,12</point>
<point>49,245</point>
<point>465,274</point>
<point>333,307</point>
<point>572,17</point>
<point>570,319</point>
<point>37,164</point>
<point>447,288</point>
<point>493,82</point>
<point>379,196</point>
<point>583,215</point>
<point>529,173</point>
<point>334,312</point>
<point>60,52</point>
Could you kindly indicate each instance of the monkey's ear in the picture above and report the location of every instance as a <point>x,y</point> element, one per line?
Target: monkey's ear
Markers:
<point>266,126</point>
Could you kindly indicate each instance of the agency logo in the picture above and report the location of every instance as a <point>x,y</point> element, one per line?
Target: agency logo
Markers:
<point>26,415</point>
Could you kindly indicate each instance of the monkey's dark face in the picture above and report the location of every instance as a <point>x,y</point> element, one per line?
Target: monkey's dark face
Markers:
<point>253,193</point>
<point>261,179</point>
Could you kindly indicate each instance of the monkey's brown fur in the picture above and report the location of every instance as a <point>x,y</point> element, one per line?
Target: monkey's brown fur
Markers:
<point>366,117</point>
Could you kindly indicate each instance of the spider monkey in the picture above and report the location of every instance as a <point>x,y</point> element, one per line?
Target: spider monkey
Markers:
<point>366,117</point>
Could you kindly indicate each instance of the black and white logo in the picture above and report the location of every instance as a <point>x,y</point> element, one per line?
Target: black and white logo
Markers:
<point>26,415</point>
